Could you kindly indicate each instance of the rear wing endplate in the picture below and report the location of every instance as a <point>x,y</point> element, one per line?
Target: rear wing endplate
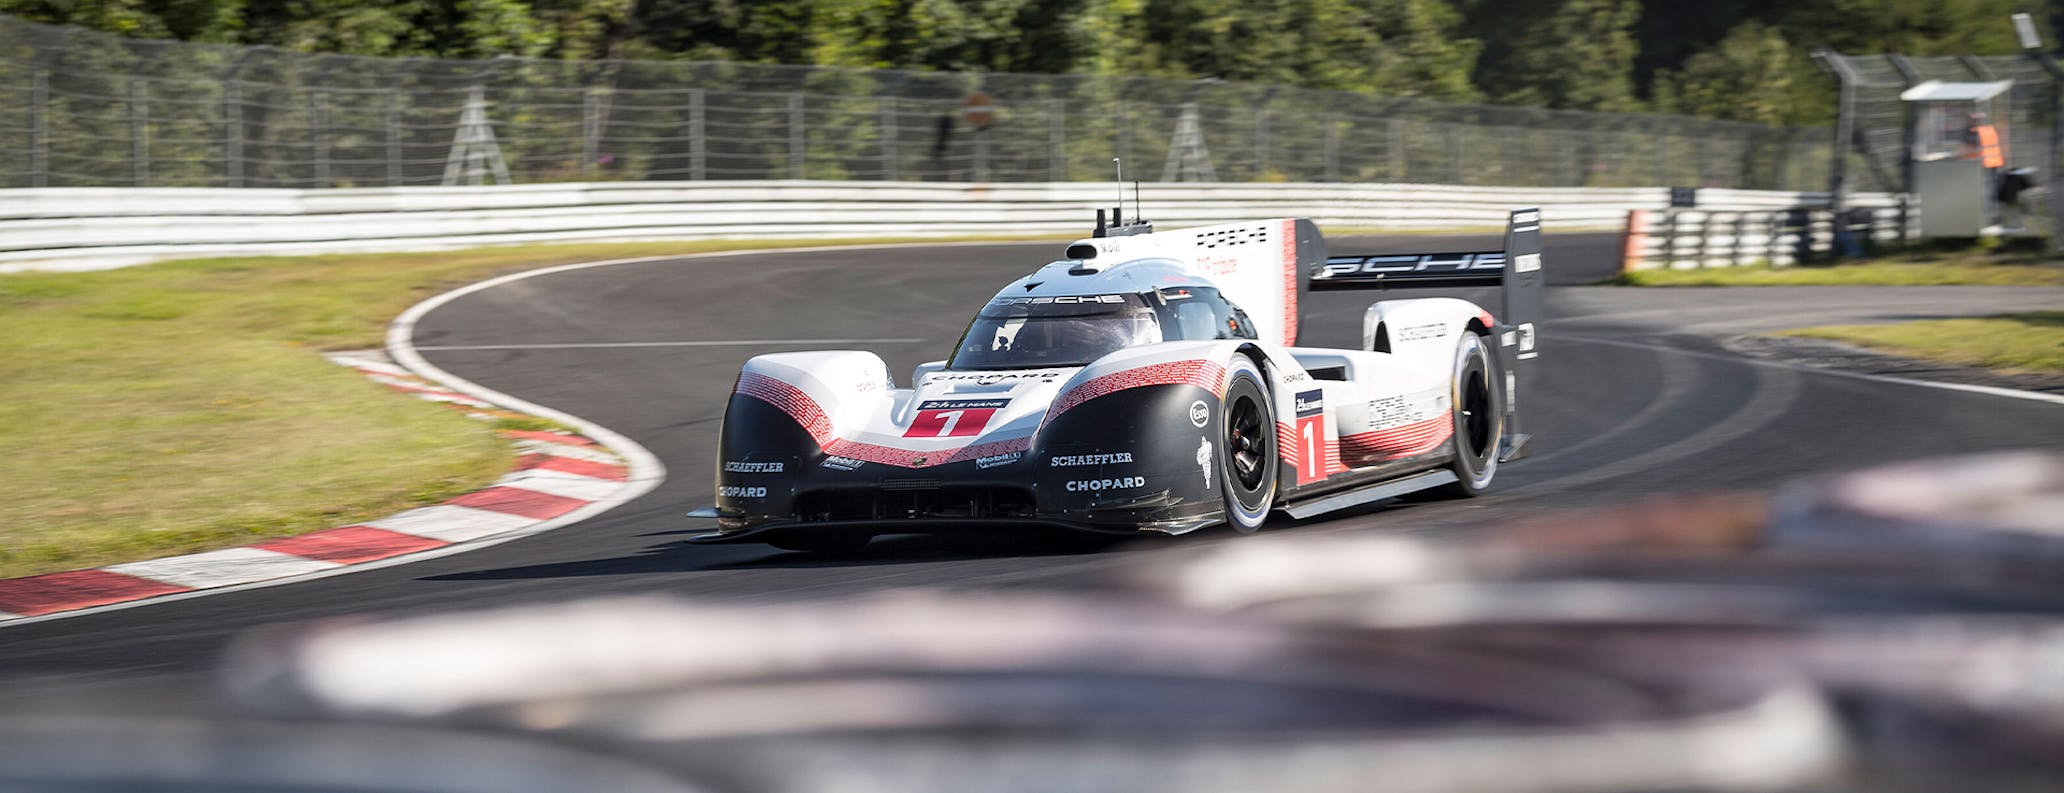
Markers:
<point>1515,271</point>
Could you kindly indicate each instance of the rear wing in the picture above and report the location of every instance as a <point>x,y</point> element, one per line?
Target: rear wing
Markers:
<point>1515,271</point>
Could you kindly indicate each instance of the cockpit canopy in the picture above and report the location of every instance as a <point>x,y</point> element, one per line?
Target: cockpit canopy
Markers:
<point>1073,330</point>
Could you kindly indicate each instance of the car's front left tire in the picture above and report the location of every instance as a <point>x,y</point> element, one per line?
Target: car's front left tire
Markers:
<point>1247,448</point>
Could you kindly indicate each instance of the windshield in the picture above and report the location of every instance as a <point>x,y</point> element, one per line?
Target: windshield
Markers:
<point>1015,333</point>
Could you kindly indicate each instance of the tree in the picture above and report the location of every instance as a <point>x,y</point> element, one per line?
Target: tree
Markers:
<point>1391,47</point>
<point>1574,54</point>
<point>1748,76</point>
<point>979,35</point>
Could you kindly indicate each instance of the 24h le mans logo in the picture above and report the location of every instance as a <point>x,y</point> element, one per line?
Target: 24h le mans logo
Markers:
<point>952,418</point>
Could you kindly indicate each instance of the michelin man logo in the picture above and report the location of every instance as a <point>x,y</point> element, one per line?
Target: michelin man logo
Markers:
<point>1204,459</point>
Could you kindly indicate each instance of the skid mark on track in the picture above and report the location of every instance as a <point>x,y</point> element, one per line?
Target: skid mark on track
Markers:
<point>1775,390</point>
<point>1677,375</point>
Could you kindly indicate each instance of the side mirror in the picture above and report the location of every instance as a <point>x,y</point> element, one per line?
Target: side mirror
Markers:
<point>917,375</point>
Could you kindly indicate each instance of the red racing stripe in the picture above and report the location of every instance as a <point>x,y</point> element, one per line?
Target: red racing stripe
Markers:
<point>1202,374</point>
<point>1406,440</point>
<point>791,400</point>
<point>1289,234</point>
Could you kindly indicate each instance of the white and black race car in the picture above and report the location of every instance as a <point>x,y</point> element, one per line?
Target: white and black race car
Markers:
<point>1148,382</point>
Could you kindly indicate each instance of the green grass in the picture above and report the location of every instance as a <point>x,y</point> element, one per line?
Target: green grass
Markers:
<point>2031,342</point>
<point>183,406</point>
<point>1919,268</point>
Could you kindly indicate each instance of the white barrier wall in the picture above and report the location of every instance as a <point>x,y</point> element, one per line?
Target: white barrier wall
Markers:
<point>94,228</point>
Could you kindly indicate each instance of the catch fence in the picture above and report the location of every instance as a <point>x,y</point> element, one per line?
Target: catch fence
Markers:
<point>1870,100</point>
<point>79,108</point>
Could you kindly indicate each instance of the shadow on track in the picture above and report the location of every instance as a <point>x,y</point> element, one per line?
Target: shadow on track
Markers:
<point>885,551</point>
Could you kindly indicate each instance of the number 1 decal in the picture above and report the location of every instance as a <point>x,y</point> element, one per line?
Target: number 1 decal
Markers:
<point>952,418</point>
<point>1311,437</point>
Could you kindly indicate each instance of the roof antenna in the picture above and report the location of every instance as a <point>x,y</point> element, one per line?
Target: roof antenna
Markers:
<point>1137,215</point>
<point>1120,167</point>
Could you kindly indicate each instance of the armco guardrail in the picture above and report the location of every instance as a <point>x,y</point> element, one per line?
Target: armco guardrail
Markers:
<point>94,228</point>
<point>1752,229</point>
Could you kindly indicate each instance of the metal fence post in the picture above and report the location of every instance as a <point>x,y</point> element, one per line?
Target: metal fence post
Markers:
<point>233,119</point>
<point>1057,141</point>
<point>795,136</point>
<point>1123,132</point>
<point>982,154</point>
<point>39,125</point>
<point>698,146</point>
<point>887,123</point>
<point>393,137</point>
<point>591,123</point>
<point>1698,156</point>
<point>318,140</point>
<point>1261,142</point>
<point>139,134</point>
<point>1455,157</point>
<point>1397,149</point>
<point>1569,158</point>
<point>1333,148</point>
<point>1658,172</point>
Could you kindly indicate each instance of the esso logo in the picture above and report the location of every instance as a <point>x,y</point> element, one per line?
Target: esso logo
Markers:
<point>1200,413</point>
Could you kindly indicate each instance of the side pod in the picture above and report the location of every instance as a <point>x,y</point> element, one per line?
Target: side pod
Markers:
<point>1517,272</point>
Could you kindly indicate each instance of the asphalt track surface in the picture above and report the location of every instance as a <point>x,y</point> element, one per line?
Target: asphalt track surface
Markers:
<point>1635,398</point>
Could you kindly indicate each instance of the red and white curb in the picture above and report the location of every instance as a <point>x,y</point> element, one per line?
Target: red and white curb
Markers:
<point>562,479</point>
<point>559,478</point>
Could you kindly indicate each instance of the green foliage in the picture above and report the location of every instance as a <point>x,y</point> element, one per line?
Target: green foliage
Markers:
<point>1730,59</point>
<point>1576,54</point>
<point>1391,47</point>
<point>1747,77</point>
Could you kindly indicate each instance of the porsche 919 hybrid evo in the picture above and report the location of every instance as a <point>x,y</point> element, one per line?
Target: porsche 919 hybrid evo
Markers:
<point>1147,382</point>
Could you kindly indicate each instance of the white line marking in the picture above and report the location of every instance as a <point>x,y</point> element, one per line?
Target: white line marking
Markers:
<point>222,568</point>
<point>410,381</point>
<point>2010,393</point>
<point>597,455</point>
<point>451,523</point>
<point>561,483</point>
<point>456,399</point>
<point>603,345</point>
<point>367,363</point>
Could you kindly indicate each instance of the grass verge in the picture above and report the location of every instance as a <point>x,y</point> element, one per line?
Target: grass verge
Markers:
<point>2031,342</point>
<point>1918,268</point>
<point>180,407</point>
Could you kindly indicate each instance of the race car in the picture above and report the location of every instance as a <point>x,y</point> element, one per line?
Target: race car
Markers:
<point>1146,382</point>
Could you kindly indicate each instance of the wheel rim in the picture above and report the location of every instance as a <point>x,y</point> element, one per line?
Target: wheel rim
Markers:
<point>1247,443</point>
<point>1478,418</point>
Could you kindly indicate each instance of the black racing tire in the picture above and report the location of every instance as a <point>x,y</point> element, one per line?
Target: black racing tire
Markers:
<point>1477,405</point>
<point>1247,448</point>
<point>827,544</point>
